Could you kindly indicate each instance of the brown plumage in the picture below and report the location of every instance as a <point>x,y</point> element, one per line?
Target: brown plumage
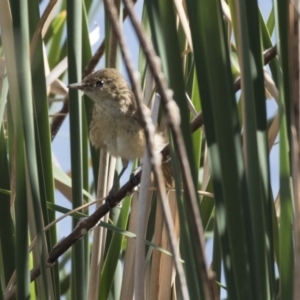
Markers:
<point>116,122</point>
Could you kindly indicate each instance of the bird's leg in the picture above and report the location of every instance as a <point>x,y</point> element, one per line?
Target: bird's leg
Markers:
<point>125,165</point>
<point>116,181</point>
<point>122,171</point>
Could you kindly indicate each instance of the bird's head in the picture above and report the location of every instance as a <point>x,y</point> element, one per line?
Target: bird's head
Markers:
<point>106,84</point>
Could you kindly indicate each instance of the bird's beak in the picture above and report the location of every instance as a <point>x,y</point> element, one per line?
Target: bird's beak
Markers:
<point>76,86</point>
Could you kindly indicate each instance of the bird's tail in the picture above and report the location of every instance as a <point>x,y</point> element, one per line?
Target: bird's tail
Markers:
<point>160,143</point>
<point>167,172</point>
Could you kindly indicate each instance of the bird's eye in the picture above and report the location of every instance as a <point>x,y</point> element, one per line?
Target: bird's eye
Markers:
<point>100,83</point>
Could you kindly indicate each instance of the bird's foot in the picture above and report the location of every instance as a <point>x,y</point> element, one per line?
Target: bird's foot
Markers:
<point>110,195</point>
<point>107,202</point>
<point>133,178</point>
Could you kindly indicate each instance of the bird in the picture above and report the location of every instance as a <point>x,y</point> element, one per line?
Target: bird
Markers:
<point>116,123</point>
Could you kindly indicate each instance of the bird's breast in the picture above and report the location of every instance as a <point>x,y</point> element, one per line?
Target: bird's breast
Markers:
<point>120,134</point>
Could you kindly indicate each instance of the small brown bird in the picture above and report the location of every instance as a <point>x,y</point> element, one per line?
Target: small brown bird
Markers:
<point>116,123</point>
